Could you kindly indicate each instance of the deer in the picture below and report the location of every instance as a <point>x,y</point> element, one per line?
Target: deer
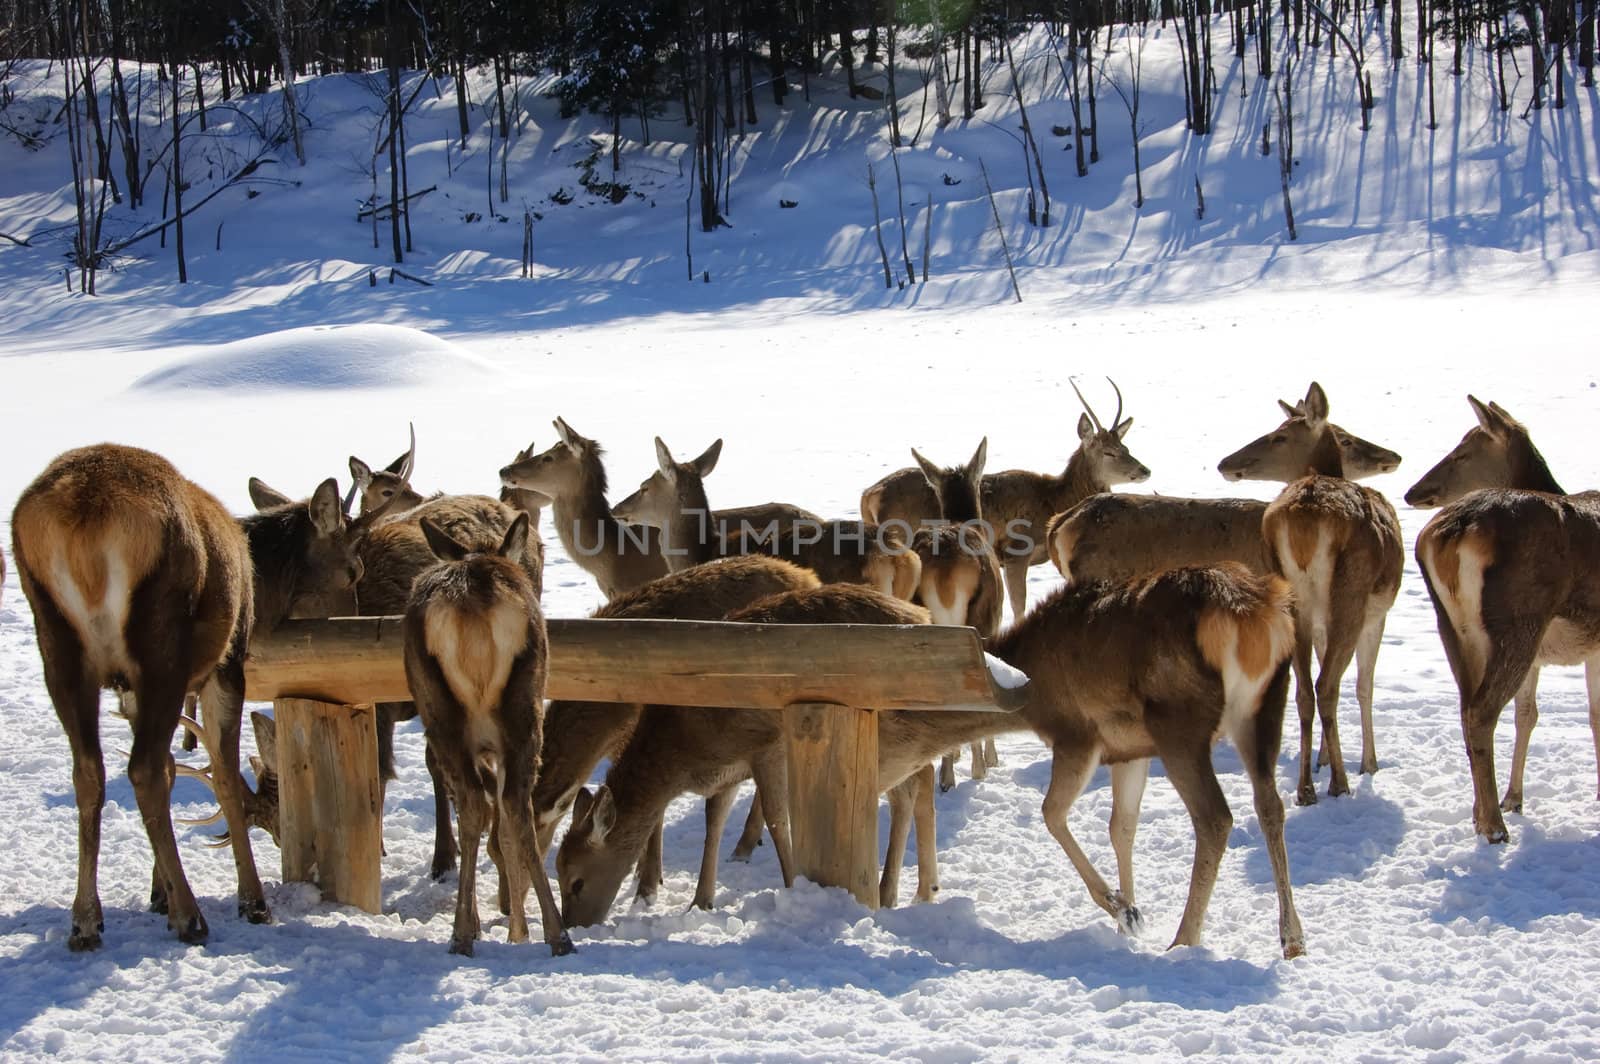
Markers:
<point>139,580</point>
<point>1162,667</point>
<point>1338,545</point>
<point>393,553</point>
<point>578,734</point>
<point>476,655</point>
<point>674,748</point>
<point>672,502</point>
<point>960,580</point>
<point>1118,536</point>
<point>1510,564</point>
<point>1018,503</point>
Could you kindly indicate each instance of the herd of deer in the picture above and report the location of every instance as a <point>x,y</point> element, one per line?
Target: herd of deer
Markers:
<point>1178,623</point>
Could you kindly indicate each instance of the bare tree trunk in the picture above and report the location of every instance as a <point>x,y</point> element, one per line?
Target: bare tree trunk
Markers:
<point>1000,230</point>
<point>393,63</point>
<point>941,90</point>
<point>291,103</point>
<point>177,162</point>
<point>877,227</point>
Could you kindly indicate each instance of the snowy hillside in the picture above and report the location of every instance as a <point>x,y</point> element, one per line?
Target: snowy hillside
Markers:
<point>1429,264</point>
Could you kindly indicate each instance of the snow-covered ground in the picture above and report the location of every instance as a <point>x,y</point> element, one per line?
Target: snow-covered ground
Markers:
<point>1429,265</point>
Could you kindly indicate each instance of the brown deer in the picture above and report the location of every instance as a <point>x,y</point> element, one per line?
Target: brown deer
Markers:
<point>1338,544</point>
<point>140,581</point>
<point>579,734</point>
<point>676,748</point>
<point>1119,536</point>
<point>384,491</point>
<point>1511,566</point>
<point>475,658</point>
<point>1162,667</point>
<point>672,501</point>
<point>1019,504</point>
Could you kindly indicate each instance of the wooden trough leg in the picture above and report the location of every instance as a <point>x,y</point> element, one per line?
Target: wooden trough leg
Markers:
<point>330,802</point>
<point>833,795</point>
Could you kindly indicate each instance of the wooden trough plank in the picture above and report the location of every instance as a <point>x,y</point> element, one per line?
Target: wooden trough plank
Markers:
<point>685,663</point>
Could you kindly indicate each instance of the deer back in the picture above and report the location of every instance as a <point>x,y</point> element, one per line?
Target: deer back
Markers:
<point>395,552</point>
<point>1118,537</point>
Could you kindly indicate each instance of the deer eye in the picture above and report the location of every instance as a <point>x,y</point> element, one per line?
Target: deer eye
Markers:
<point>577,887</point>
<point>388,492</point>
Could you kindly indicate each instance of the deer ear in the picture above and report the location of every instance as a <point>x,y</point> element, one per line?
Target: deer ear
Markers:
<point>979,457</point>
<point>263,497</point>
<point>266,730</point>
<point>605,815</point>
<point>360,472</point>
<point>708,459</point>
<point>326,508</point>
<point>1486,418</point>
<point>1288,410</point>
<point>669,468</point>
<point>1122,429</point>
<point>1085,427</point>
<point>444,546</point>
<point>568,437</point>
<point>930,472</point>
<point>1316,404</point>
<point>516,542</point>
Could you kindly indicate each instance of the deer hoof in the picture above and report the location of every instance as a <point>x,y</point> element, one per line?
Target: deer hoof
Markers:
<point>1512,803</point>
<point>1293,948</point>
<point>442,866</point>
<point>461,946</point>
<point>255,910</point>
<point>158,902</point>
<point>1130,921</point>
<point>1338,787</point>
<point>1495,836</point>
<point>1306,795</point>
<point>1369,766</point>
<point>195,931</point>
<point>562,946</point>
<point>742,853</point>
<point>82,939</point>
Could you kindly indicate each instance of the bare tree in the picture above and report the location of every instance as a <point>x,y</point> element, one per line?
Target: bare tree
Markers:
<point>278,14</point>
<point>1130,99</point>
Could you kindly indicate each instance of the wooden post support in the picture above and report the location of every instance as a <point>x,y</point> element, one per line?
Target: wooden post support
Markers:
<point>833,795</point>
<point>330,800</point>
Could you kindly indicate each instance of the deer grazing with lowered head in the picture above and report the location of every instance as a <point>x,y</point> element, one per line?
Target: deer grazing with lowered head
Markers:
<point>1118,536</point>
<point>577,735</point>
<point>672,502</point>
<point>141,581</point>
<point>1019,504</point>
<point>676,748</point>
<point>1512,564</point>
<point>1338,544</point>
<point>475,658</point>
<point>1162,667</point>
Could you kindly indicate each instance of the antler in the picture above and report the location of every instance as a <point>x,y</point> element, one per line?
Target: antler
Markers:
<point>1097,426</point>
<point>410,460</point>
<point>1117,420</point>
<point>205,774</point>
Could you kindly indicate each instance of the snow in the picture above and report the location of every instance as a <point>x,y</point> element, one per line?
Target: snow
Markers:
<point>1003,674</point>
<point>1429,264</point>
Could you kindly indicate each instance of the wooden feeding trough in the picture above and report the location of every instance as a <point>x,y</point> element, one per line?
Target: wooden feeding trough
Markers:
<point>324,676</point>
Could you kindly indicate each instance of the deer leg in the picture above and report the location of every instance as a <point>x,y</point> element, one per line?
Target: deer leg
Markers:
<point>1591,675</point>
<point>150,770</point>
<point>444,841</point>
<point>1069,771</point>
<point>648,876</point>
<point>509,824</point>
<point>1127,794</point>
<point>222,699</point>
<point>1016,579</point>
<point>750,837</point>
<point>191,707</point>
<point>1305,699</point>
<point>901,798</point>
<point>1527,704</point>
<point>1341,648</point>
<point>1507,668</point>
<point>555,934</point>
<point>947,771</point>
<point>923,814</point>
<point>771,775</point>
<point>1366,660</point>
<point>1258,740</point>
<point>718,806</point>
<point>991,754</point>
<point>1189,768</point>
<point>498,857</point>
<point>76,697</point>
<point>471,812</point>
<point>980,768</point>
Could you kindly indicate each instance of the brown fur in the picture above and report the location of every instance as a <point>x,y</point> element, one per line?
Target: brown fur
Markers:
<point>140,580</point>
<point>1338,544</point>
<point>708,751</point>
<point>1121,673</point>
<point>1531,553</point>
<point>475,659</point>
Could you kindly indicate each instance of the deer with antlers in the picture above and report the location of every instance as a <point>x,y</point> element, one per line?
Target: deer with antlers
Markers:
<point>1019,504</point>
<point>141,581</point>
<point>1512,565</point>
